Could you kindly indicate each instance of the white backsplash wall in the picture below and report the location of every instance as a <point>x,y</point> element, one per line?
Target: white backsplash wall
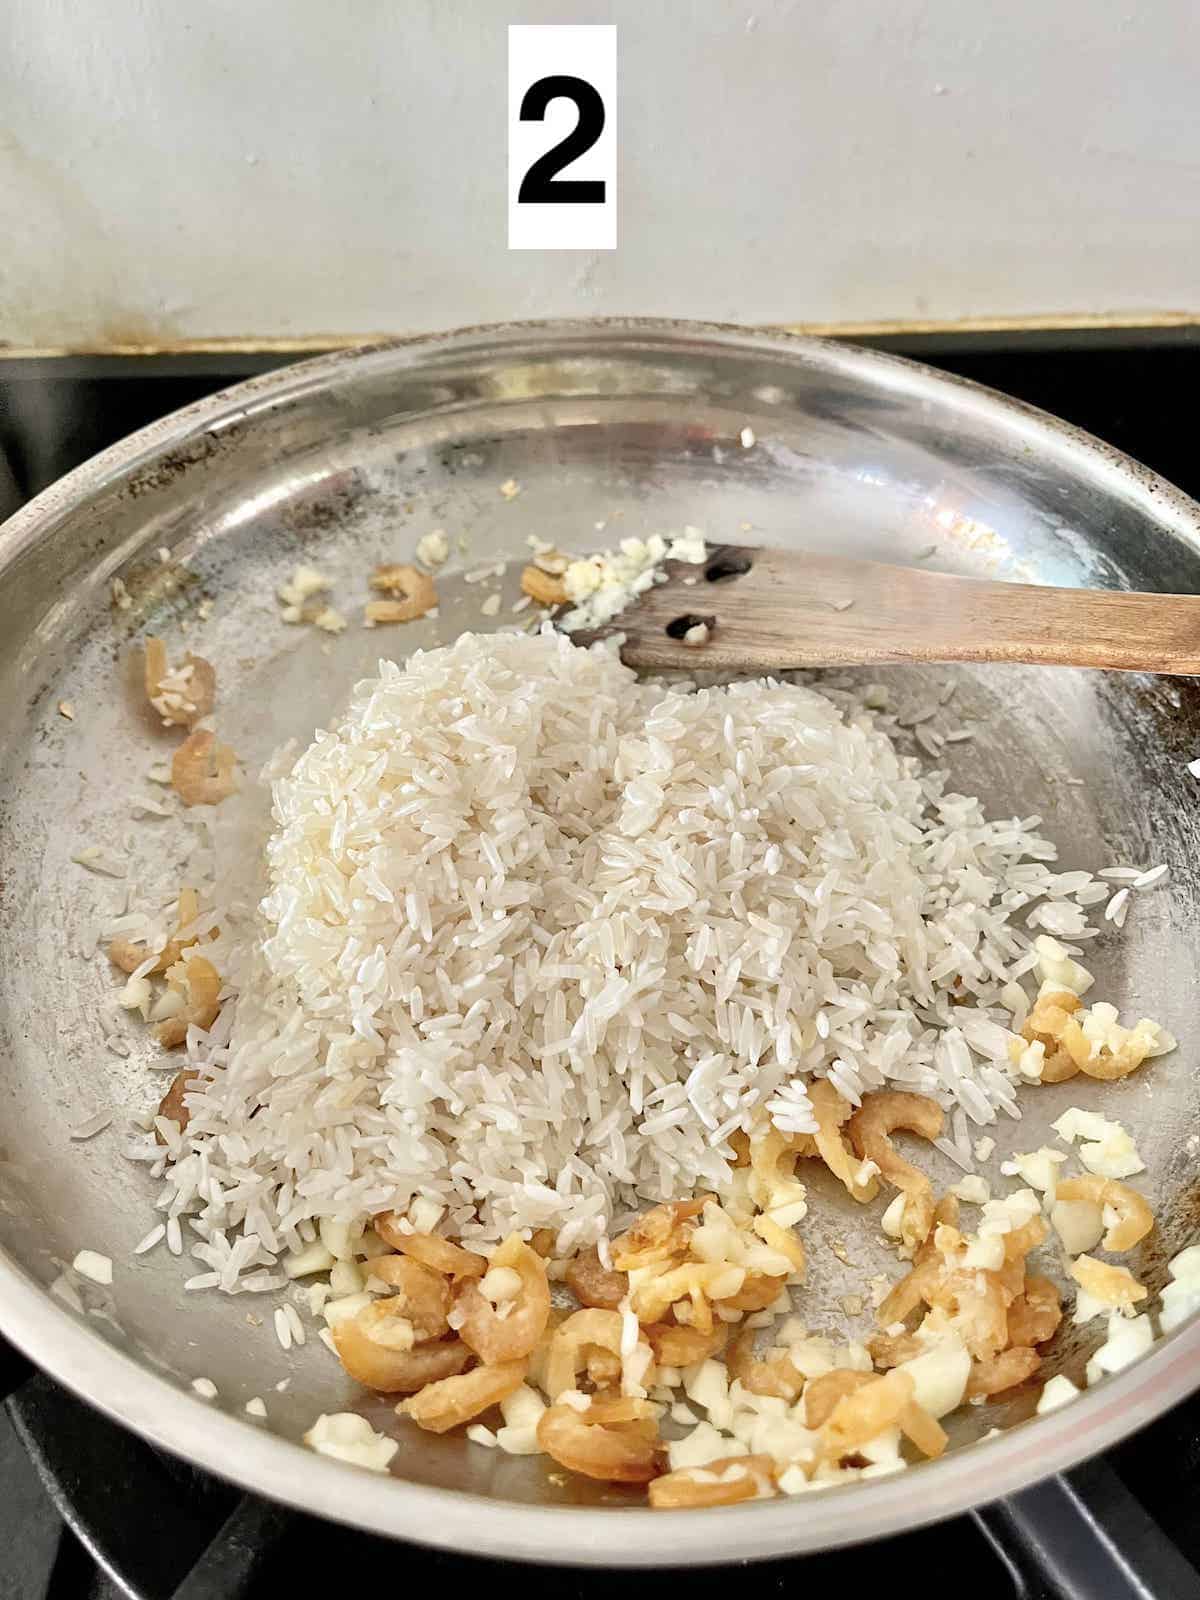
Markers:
<point>262,170</point>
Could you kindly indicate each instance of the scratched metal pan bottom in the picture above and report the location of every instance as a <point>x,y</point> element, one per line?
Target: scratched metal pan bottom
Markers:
<point>344,462</point>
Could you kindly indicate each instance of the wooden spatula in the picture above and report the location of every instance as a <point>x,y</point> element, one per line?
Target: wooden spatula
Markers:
<point>772,609</point>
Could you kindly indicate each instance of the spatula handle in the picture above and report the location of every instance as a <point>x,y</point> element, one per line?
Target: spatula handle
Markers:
<point>774,609</point>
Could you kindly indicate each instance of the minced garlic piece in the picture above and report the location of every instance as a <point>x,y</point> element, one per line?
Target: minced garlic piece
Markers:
<point>1110,1152</point>
<point>349,1437</point>
<point>433,549</point>
<point>303,584</point>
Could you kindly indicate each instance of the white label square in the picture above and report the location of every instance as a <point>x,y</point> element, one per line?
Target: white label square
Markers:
<point>562,138</point>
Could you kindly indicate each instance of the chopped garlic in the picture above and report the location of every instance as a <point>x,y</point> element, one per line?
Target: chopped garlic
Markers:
<point>1059,1391</point>
<point>136,996</point>
<point>1009,1212</point>
<point>433,549</point>
<point>345,1278</point>
<point>1039,1169</point>
<point>519,1441</point>
<point>1111,1154</point>
<point>702,1445</point>
<point>522,1411</point>
<point>349,1437</point>
<point>784,1438</point>
<point>973,1189</point>
<point>524,1407</point>
<point>334,1311</point>
<point>884,1449</point>
<point>814,1357</point>
<point>313,1258</point>
<point>789,1214</point>
<point>1078,1223</point>
<point>1100,1026</point>
<point>1181,1297</point>
<point>336,1237</point>
<point>256,1407</point>
<point>425,1214</point>
<point>708,1385</point>
<point>604,584</point>
<point>303,584</point>
<point>1031,1061</point>
<point>689,547</point>
<point>1055,966</point>
<point>893,1217</point>
<point>90,1264</point>
<point>205,1388</point>
<point>168,1004</point>
<point>500,1284</point>
<point>985,1253</point>
<point>940,1375</point>
<point>1128,1338</point>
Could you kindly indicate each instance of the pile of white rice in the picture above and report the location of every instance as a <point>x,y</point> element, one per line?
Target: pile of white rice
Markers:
<point>540,936</point>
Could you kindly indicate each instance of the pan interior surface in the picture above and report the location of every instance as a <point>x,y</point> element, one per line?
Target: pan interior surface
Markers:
<point>606,432</point>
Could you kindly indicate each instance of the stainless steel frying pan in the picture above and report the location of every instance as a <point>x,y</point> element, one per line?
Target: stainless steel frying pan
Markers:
<point>635,426</point>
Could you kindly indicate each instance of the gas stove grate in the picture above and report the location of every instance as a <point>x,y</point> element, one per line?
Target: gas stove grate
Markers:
<point>133,1521</point>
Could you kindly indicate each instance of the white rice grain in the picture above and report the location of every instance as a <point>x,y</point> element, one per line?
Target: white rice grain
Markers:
<point>539,936</point>
<point>90,1126</point>
<point>1154,875</point>
<point>1116,907</point>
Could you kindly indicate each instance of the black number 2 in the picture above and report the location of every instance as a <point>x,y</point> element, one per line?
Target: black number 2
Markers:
<point>541,185</point>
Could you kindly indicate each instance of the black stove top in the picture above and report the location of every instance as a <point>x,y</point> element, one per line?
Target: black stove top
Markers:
<point>89,1512</point>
